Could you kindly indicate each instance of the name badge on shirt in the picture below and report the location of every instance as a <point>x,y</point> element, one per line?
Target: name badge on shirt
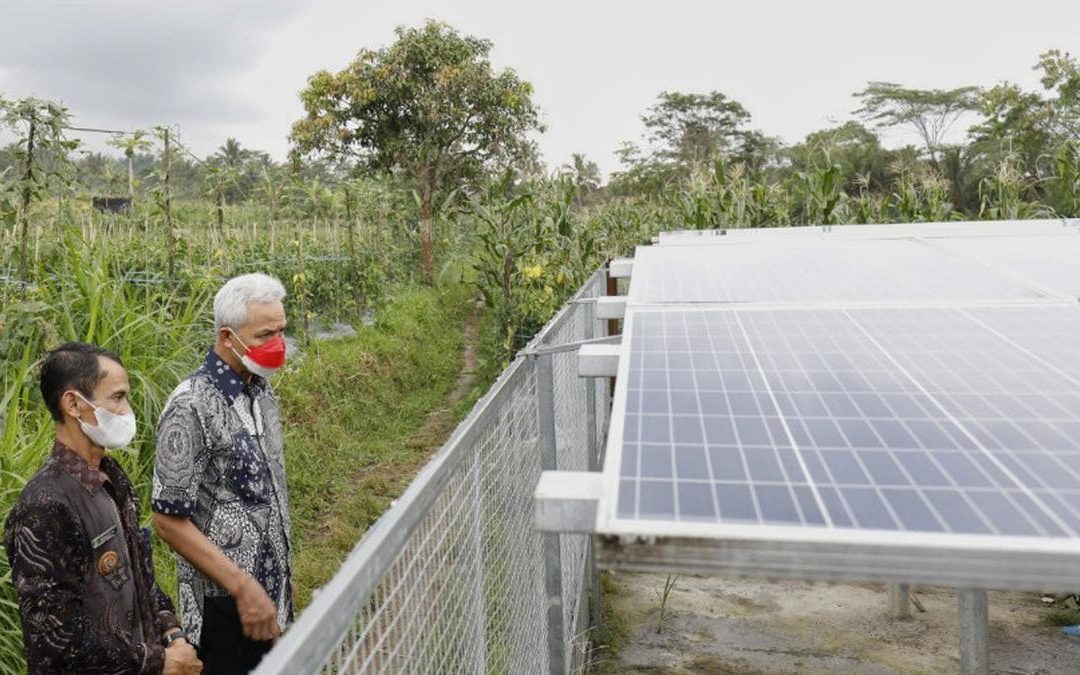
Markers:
<point>103,537</point>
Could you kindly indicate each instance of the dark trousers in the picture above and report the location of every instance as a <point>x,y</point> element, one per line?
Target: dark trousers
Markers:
<point>222,646</point>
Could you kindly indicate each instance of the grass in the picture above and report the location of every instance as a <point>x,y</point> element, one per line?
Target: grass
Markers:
<point>610,635</point>
<point>352,408</point>
<point>351,405</point>
<point>1061,616</point>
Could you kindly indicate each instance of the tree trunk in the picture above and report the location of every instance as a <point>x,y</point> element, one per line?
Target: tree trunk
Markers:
<point>27,193</point>
<point>170,244</point>
<point>221,216</point>
<point>131,179</point>
<point>427,233</point>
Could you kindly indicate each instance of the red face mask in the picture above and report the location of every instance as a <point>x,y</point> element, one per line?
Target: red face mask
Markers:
<point>270,354</point>
<point>264,359</point>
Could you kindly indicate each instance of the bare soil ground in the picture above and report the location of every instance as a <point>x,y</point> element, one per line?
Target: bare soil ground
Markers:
<point>728,625</point>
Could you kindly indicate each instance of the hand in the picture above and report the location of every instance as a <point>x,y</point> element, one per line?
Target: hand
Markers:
<point>180,659</point>
<point>258,614</point>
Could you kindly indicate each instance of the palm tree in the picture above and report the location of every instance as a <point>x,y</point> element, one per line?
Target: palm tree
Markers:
<point>585,174</point>
<point>231,154</point>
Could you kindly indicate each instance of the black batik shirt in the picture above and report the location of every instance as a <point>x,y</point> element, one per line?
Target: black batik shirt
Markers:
<point>220,462</point>
<point>83,572</point>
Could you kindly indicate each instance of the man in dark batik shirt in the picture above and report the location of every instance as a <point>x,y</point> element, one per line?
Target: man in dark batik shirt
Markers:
<point>80,564</point>
<point>220,497</point>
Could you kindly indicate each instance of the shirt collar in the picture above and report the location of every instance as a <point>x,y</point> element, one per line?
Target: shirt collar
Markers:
<point>227,380</point>
<point>72,462</point>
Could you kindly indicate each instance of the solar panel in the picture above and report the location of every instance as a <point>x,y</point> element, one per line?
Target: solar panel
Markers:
<point>823,272</point>
<point>966,229</point>
<point>1048,262</point>
<point>924,420</point>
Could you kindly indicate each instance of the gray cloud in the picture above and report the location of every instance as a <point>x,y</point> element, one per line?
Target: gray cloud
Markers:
<point>138,62</point>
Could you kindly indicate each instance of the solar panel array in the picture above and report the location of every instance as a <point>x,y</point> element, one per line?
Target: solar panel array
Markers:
<point>805,272</point>
<point>886,384</point>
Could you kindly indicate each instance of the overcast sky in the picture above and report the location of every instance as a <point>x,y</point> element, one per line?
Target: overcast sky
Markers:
<point>234,67</point>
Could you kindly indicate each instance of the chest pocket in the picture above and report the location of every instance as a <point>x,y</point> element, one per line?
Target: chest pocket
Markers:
<point>248,473</point>
<point>110,561</point>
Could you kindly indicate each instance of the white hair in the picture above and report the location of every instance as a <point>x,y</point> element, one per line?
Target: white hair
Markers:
<point>232,301</point>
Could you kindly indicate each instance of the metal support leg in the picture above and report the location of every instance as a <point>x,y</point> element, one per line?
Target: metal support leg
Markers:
<point>549,461</point>
<point>592,446</point>
<point>974,618</point>
<point>900,601</point>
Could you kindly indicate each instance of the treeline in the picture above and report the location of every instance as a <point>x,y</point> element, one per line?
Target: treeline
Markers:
<point>415,160</point>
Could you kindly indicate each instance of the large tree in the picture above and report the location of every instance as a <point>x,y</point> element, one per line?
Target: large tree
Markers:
<point>930,113</point>
<point>1031,126</point>
<point>430,105</point>
<point>855,149</point>
<point>694,129</point>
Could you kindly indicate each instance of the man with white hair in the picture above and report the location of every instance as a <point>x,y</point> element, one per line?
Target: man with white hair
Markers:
<point>219,496</point>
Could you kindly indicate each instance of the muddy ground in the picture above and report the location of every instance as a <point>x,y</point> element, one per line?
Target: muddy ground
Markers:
<point>727,625</point>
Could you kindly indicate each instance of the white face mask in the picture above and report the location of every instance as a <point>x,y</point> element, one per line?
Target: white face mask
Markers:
<point>112,431</point>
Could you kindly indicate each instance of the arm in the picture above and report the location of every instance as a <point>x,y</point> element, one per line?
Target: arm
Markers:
<point>47,549</point>
<point>258,614</point>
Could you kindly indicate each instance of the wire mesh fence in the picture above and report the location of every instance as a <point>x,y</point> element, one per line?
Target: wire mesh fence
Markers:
<point>453,577</point>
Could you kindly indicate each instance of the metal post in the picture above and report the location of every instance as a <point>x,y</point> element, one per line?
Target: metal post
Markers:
<point>594,591</point>
<point>612,289</point>
<point>974,618</point>
<point>480,576</point>
<point>900,601</point>
<point>549,461</point>
<point>612,324</point>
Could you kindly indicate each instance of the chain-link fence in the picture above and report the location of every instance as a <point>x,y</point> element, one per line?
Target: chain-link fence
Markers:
<point>455,577</point>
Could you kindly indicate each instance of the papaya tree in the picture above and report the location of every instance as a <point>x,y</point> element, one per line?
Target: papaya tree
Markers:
<point>41,146</point>
<point>132,144</point>
<point>430,106</point>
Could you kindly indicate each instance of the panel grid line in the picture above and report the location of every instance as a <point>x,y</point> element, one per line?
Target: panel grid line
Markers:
<point>1023,487</point>
<point>783,422</point>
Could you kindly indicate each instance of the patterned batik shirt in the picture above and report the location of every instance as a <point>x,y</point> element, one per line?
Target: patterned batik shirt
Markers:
<point>82,569</point>
<point>220,462</point>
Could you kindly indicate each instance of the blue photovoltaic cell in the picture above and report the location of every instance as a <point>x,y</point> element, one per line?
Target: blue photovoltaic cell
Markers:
<point>912,419</point>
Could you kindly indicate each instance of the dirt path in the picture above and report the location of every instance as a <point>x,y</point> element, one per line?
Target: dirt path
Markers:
<point>725,625</point>
<point>440,423</point>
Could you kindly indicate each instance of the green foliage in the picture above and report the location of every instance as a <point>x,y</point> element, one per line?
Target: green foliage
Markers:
<point>158,334</point>
<point>350,406</point>
<point>664,594</point>
<point>693,129</point>
<point>1063,186</point>
<point>1061,615</point>
<point>430,105</point>
<point>40,150</point>
<point>1002,193</point>
<point>928,112</point>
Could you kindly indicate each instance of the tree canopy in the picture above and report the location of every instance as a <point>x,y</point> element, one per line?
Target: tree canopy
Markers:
<point>430,105</point>
<point>928,112</point>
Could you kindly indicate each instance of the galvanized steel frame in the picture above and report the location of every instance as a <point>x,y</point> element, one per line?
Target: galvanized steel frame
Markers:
<point>310,645</point>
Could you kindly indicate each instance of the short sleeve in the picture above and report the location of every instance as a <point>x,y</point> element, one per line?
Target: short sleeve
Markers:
<point>178,457</point>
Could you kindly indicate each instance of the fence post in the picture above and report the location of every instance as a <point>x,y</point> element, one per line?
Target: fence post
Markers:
<point>593,445</point>
<point>480,577</point>
<point>549,461</point>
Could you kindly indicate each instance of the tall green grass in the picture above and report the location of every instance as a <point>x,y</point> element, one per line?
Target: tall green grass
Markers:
<point>159,335</point>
